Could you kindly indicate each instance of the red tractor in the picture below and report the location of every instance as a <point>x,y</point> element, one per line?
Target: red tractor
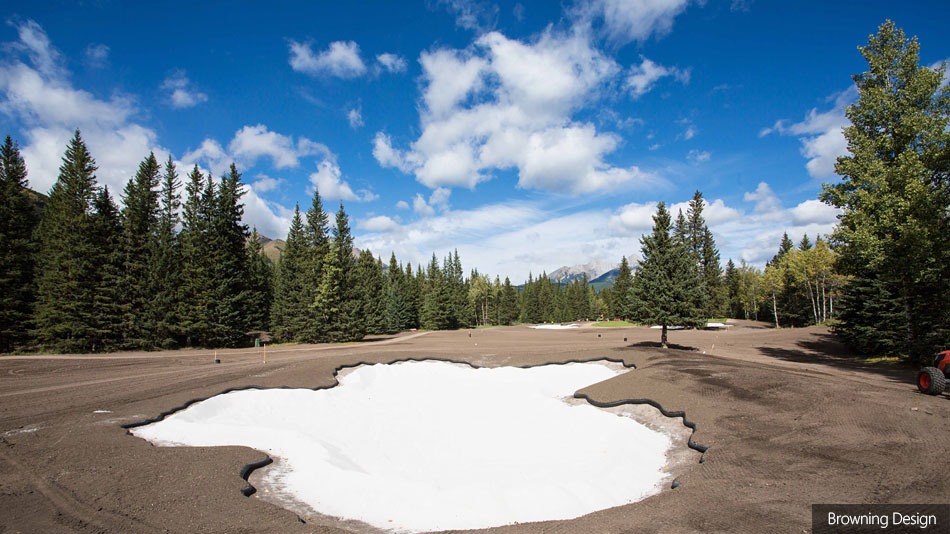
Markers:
<point>933,380</point>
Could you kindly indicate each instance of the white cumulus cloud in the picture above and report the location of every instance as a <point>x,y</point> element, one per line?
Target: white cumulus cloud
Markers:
<point>821,134</point>
<point>641,78</point>
<point>392,63</point>
<point>328,181</point>
<point>379,223</point>
<point>623,21</point>
<point>181,92</point>
<point>340,59</point>
<point>508,104</point>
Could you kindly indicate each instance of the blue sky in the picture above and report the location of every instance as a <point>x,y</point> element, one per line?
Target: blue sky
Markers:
<point>527,135</point>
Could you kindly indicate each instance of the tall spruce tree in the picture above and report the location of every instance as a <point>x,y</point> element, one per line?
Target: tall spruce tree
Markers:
<point>291,308</point>
<point>338,299</point>
<point>260,285</point>
<point>509,303</point>
<point>732,286</point>
<point>230,263</point>
<point>415,283</point>
<point>316,247</point>
<point>17,221</point>
<point>139,217</point>
<point>397,297</point>
<point>893,237</point>
<point>64,314</point>
<point>622,304</point>
<point>107,310</point>
<point>667,285</point>
<point>164,270</point>
<point>196,290</point>
<point>437,305</point>
<point>371,291</point>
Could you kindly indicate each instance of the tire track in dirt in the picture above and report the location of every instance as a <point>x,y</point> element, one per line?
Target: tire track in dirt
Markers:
<point>68,505</point>
<point>189,371</point>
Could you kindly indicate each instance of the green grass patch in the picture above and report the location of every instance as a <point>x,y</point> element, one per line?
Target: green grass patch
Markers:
<point>887,361</point>
<point>614,324</point>
<point>717,320</point>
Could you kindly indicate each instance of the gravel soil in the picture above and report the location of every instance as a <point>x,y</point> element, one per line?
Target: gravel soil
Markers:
<point>790,418</point>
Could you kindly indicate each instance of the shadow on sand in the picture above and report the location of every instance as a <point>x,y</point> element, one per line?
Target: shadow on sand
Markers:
<point>825,349</point>
<point>656,345</point>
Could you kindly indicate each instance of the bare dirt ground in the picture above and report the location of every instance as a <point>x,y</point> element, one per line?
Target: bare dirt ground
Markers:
<point>790,420</point>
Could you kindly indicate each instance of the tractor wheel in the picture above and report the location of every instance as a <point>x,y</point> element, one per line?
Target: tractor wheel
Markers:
<point>931,381</point>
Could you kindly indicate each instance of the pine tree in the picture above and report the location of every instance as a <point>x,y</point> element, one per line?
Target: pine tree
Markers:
<point>415,285</point>
<point>711,270</point>
<point>164,270</point>
<point>397,297</point>
<point>805,243</point>
<point>316,247</point>
<point>509,303</point>
<point>196,292</point>
<point>667,283</point>
<point>64,314</point>
<point>732,287</point>
<point>17,221</point>
<point>107,310</point>
<point>260,285</point>
<point>437,301</point>
<point>371,291</point>
<point>783,248</point>
<point>622,304</point>
<point>457,293</point>
<point>338,299</point>
<point>229,263</point>
<point>138,243</point>
<point>291,308</point>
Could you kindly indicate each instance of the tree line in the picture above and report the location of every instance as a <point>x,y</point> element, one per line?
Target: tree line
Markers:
<point>77,273</point>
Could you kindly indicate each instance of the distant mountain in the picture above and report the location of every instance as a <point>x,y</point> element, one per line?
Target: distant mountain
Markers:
<point>592,269</point>
<point>606,279</point>
<point>273,248</point>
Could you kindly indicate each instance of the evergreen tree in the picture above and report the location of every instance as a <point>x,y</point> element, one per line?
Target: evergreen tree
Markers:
<point>711,270</point>
<point>732,287</point>
<point>138,243</point>
<point>783,248</point>
<point>805,243</point>
<point>397,297</point>
<point>509,303</point>
<point>64,313</point>
<point>416,286</point>
<point>291,308</point>
<point>371,291</point>
<point>457,292</point>
<point>17,221</point>
<point>196,290</point>
<point>229,263</point>
<point>437,305</point>
<point>107,310</point>
<point>316,247</point>
<point>622,299</point>
<point>164,268</point>
<point>338,299</point>
<point>260,285</point>
<point>667,287</point>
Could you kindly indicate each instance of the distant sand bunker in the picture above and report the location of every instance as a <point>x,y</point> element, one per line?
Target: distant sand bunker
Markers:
<point>423,446</point>
<point>555,326</point>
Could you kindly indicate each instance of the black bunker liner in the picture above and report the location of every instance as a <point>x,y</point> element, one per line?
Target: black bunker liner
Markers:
<point>246,471</point>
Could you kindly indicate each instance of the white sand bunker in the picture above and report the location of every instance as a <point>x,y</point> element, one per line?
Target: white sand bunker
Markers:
<point>422,446</point>
<point>555,326</point>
